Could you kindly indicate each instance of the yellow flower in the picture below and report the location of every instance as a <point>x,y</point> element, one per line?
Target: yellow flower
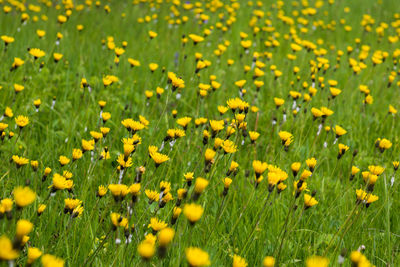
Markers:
<point>102,190</point>
<point>196,38</point>
<point>159,158</point>
<point>278,101</point>
<point>124,162</point>
<point>33,254</point>
<point>209,155</point>
<point>153,66</point>
<point>52,261</point>
<point>63,160</point>
<point>118,220</point>
<point>59,182</point>
<point>41,208</point>
<point>152,34</point>
<point>317,261</point>
<point>229,147</point>
<point>152,195</point>
<point>259,167</point>
<point>165,236</point>
<point>392,110</point>
<point>18,88</point>
<point>24,227</point>
<point>200,185</point>
<point>119,191</point>
<point>146,250</point>
<point>239,261</point>
<point>196,257</point>
<point>57,57</point>
<point>21,121</point>
<point>20,161</point>
<point>339,131</point>
<point>36,53</point>
<point>193,212</point>
<point>156,224</point>
<point>309,201</point>
<point>7,39</point>
<point>7,252</point>
<point>76,154</point>
<point>23,196</point>
<point>384,144</point>
<point>311,163</point>
<point>269,261</point>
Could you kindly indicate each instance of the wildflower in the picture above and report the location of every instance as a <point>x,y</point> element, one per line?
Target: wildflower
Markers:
<point>317,261</point>
<point>376,170</point>
<point>232,168</point>
<point>269,261</point>
<point>384,144</point>
<point>295,168</point>
<point>273,179</point>
<point>199,186</point>
<point>209,156</point>
<point>7,251</point>
<point>395,165</point>
<point>118,220</point>
<point>227,183</point>
<point>342,150</point>
<point>278,102</point>
<point>216,126</point>
<point>17,63</point>
<point>7,39</point>
<point>165,236</point>
<point>299,186</point>
<point>76,154</point>
<point>77,212</point>
<point>70,204</point>
<point>41,209</point>
<point>196,38</point>
<point>286,138</point>
<point>159,158</point>
<point>21,121</point>
<point>193,212</point>
<point>309,201</point>
<point>229,147</point>
<point>124,162</point>
<point>146,250</point>
<point>36,53</point>
<point>354,171</point>
<point>239,261</point>
<point>259,167</point>
<point>18,88</point>
<point>253,136</point>
<point>24,227</point>
<point>20,161</point>
<point>196,257</point>
<point>156,225</point>
<point>183,122</point>
<point>33,254</point>
<point>339,131</point>
<point>57,57</point>
<point>23,196</point>
<point>119,191</point>
<point>63,160</point>
<point>175,214</point>
<point>52,261</point>
<point>311,163</point>
<point>189,177</point>
<point>152,195</point>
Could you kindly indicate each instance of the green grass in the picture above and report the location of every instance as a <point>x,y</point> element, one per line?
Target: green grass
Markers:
<point>228,225</point>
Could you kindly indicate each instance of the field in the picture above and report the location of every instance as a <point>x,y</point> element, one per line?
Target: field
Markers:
<point>208,133</point>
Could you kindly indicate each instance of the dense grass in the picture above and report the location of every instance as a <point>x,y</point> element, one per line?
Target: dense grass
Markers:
<point>243,222</point>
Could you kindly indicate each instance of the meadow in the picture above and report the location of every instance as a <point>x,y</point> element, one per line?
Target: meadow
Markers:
<point>199,133</point>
